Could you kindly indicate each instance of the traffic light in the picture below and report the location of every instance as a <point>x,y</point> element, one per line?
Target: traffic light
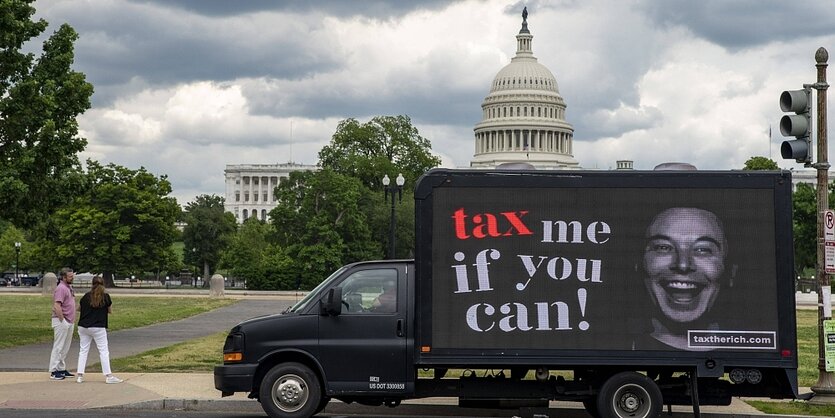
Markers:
<point>798,125</point>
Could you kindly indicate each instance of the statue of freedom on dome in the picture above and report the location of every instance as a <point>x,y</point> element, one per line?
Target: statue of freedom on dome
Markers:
<point>525,14</point>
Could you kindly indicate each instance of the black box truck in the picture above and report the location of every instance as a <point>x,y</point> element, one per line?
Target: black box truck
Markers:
<point>623,290</point>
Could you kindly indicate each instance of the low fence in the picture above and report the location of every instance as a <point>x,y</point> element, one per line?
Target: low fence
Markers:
<point>806,285</point>
<point>155,284</point>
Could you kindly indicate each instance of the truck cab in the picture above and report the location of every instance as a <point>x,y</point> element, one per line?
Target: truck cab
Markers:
<point>347,339</point>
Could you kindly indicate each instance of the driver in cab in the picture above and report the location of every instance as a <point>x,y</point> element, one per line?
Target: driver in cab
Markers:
<point>386,302</point>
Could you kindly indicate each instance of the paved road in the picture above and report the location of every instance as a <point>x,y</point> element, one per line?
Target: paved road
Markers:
<point>114,413</point>
<point>35,357</point>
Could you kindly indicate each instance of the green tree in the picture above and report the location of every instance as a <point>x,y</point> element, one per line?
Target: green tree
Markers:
<point>278,271</point>
<point>45,246</point>
<point>380,222</point>
<point>244,254</point>
<point>760,163</point>
<point>385,145</point>
<point>319,225</point>
<point>9,255</point>
<point>40,99</point>
<point>207,232</point>
<point>122,223</point>
<point>805,224</point>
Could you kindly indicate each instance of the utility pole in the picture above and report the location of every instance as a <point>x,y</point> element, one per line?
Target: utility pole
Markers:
<point>825,387</point>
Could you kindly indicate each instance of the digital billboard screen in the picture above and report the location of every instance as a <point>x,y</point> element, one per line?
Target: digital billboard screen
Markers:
<point>608,268</point>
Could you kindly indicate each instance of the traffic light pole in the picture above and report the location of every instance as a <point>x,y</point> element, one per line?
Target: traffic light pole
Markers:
<point>825,387</point>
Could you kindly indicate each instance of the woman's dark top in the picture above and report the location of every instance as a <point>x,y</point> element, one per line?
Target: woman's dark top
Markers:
<point>94,317</point>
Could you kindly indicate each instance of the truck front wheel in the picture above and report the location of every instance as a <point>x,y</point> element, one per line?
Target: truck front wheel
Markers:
<point>290,390</point>
<point>629,394</point>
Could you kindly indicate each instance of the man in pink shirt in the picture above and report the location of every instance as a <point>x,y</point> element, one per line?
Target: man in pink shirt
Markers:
<point>63,318</point>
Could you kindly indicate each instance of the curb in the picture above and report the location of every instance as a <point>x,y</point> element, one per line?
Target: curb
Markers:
<point>205,405</point>
<point>406,409</point>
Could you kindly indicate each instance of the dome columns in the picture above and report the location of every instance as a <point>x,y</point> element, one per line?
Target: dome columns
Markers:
<point>519,140</point>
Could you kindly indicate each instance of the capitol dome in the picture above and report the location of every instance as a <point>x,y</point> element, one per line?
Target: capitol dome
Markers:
<point>523,116</point>
<point>524,74</point>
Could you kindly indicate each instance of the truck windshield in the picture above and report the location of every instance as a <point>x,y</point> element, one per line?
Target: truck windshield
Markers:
<point>312,294</point>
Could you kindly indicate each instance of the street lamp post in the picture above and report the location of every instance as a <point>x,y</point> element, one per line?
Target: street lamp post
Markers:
<point>17,262</point>
<point>393,189</point>
<point>194,278</point>
<point>824,388</point>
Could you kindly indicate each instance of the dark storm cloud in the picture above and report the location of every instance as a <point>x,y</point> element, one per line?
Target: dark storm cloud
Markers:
<point>142,44</point>
<point>379,9</point>
<point>449,104</point>
<point>746,23</point>
<point>188,59</point>
<point>163,49</point>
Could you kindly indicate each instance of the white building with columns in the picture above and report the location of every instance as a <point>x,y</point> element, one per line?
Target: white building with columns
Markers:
<point>523,116</point>
<point>250,188</point>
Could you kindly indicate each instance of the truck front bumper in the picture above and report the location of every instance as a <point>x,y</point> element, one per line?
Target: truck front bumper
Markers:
<point>230,378</point>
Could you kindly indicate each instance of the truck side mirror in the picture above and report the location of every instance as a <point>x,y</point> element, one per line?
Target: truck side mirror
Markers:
<point>331,304</point>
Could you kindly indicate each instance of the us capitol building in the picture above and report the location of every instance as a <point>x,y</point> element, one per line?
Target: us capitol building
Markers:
<point>523,117</point>
<point>523,120</point>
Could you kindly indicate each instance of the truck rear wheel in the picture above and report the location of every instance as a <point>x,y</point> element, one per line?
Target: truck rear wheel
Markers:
<point>629,394</point>
<point>290,390</point>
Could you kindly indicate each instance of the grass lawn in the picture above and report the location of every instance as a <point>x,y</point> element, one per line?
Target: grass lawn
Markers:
<point>26,318</point>
<point>194,356</point>
<point>793,408</point>
<point>807,373</point>
<point>807,347</point>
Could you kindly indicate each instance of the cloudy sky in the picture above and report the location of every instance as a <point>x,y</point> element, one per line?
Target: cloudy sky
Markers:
<point>184,88</point>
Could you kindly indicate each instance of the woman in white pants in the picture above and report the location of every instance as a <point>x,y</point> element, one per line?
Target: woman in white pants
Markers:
<point>92,326</point>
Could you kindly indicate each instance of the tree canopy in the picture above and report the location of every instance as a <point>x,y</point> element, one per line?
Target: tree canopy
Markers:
<point>760,163</point>
<point>244,256</point>
<point>40,99</point>
<point>123,222</point>
<point>9,253</point>
<point>207,232</point>
<point>319,223</point>
<point>385,145</point>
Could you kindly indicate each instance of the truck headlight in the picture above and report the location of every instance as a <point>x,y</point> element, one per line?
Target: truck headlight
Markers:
<point>233,348</point>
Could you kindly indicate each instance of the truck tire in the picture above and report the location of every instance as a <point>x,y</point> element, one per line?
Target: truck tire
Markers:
<point>629,394</point>
<point>290,390</point>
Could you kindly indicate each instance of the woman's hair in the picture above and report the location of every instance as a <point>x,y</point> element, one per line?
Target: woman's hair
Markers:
<point>97,292</point>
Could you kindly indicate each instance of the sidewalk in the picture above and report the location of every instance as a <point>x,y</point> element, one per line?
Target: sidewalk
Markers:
<point>34,390</point>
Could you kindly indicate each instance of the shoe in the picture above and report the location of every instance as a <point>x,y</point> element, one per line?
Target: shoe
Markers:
<point>67,373</point>
<point>113,379</point>
<point>79,379</point>
<point>56,375</point>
